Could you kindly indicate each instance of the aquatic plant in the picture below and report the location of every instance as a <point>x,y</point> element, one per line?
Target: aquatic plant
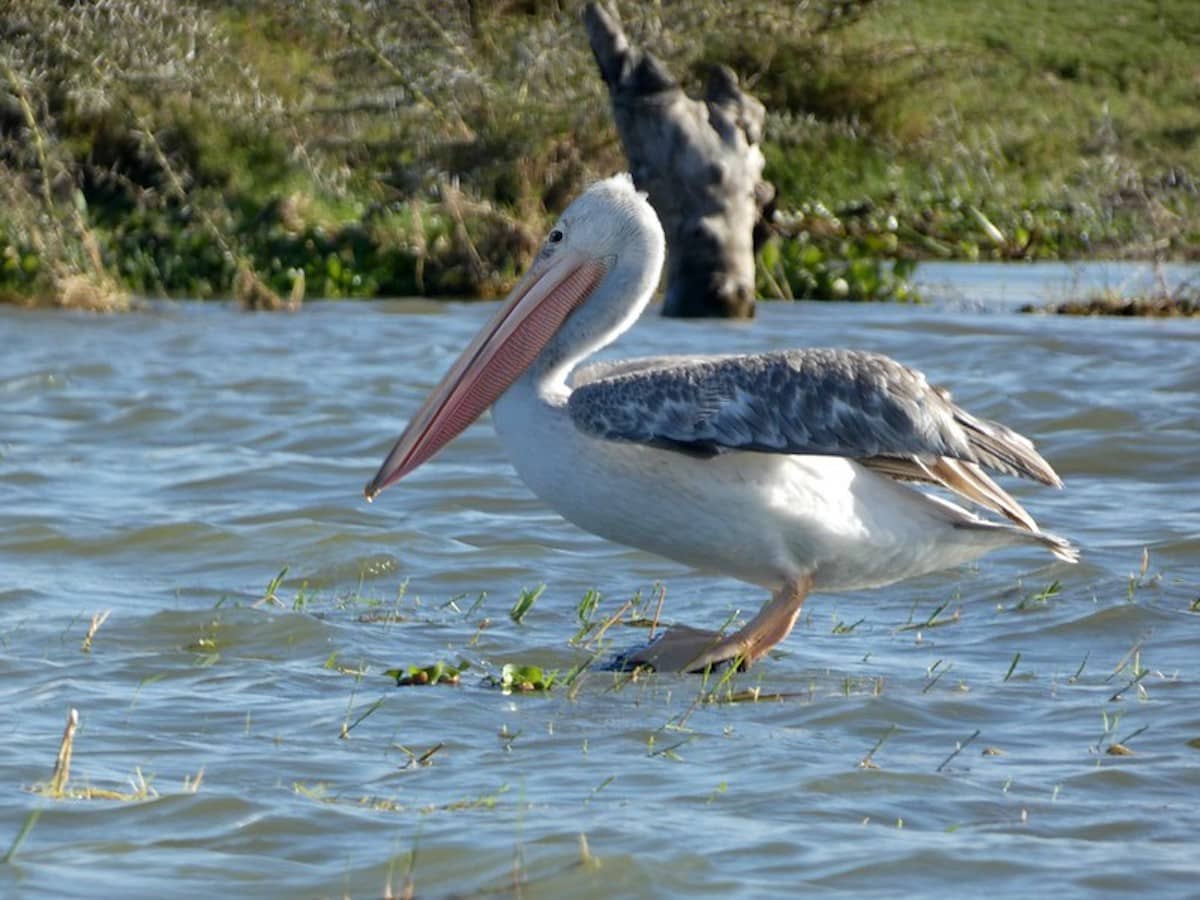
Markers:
<point>791,266</point>
<point>439,672</point>
<point>522,679</point>
<point>525,602</point>
<point>1163,302</point>
<point>60,786</point>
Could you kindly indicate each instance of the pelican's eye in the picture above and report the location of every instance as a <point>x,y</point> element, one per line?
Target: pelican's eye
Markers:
<point>555,236</point>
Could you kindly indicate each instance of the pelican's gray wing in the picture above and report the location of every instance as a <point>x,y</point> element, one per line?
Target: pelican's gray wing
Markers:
<point>848,403</point>
<point>609,368</point>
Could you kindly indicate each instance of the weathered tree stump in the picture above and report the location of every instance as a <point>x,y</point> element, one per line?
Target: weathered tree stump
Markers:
<point>700,164</point>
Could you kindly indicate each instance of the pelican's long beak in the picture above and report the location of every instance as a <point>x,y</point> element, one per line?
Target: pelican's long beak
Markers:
<point>535,310</point>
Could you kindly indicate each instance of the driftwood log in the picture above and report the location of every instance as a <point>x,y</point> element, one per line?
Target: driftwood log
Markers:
<point>700,164</point>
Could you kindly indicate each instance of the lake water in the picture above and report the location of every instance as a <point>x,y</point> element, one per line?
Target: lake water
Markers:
<point>168,464</point>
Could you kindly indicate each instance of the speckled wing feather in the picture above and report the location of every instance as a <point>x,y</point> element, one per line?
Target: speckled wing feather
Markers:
<point>610,368</point>
<point>825,402</point>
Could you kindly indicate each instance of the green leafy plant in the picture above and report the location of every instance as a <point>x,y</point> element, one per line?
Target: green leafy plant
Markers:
<point>523,679</point>
<point>438,673</point>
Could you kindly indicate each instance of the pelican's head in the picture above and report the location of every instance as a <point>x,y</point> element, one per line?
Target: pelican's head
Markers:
<point>591,279</point>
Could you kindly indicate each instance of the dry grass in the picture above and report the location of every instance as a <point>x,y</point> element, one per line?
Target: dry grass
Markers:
<point>60,786</point>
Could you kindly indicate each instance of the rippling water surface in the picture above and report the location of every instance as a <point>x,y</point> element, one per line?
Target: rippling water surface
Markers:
<point>166,465</point>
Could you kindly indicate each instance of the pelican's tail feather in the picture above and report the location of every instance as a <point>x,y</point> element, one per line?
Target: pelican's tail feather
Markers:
<point>1060,547</point>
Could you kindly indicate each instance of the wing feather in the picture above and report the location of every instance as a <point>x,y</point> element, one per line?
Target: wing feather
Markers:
<point>849,403</point>
<point>610,368</point>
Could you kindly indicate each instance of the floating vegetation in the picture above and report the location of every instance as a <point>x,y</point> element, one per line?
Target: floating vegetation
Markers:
<point>59,787</point>
<point>584,612</point>
<point>523,679</point>
<point>206,646</point>
<point>97,620</point>
<point>1149,307</point>
<point>935,673</point>
<point>1042,597</point>
<point>270,596</point>
<point>399,608</point>
<point>62,763</point>
<point>321,794</point>
<point>1135,682</point>
<point>934,620</point>
<point>959,747</point>
<point>332,664</point>
<point>667,752</point>
<point>1109,743</point>
<point>1143,578</point>
<point>525,602</point>
<point>1163,302</point>
<point>868,761</point>
<point>1131,665</point>
<point>633,613</point>
<point>840,627</point>
<point>438,673</point>
<point>422,758</point>
<point>26,828</point>
<point>347,725</point>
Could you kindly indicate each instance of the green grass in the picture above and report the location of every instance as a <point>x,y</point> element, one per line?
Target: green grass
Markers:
<point>387,151</point>
<point>1079,123</point>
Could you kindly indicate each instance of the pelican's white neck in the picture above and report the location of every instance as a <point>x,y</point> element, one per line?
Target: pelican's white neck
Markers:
<point>613,308</point>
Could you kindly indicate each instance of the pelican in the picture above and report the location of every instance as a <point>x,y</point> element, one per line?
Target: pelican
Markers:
<point>791,470</point>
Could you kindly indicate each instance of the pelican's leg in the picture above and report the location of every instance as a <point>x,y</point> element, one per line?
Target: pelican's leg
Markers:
<point>684,649</point>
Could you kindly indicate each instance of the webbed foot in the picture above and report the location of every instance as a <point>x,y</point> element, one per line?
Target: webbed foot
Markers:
<point>685,649</point>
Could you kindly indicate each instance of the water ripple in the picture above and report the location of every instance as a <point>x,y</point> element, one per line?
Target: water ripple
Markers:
<point>167,467</point>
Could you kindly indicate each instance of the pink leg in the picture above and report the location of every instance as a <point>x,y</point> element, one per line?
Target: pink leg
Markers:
<point>684,649</point>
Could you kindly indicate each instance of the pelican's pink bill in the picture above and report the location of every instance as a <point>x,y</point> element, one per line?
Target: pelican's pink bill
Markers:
<point>535,310</point>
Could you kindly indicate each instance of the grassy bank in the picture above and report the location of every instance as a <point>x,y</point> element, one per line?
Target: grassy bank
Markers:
<point>267,148</point>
